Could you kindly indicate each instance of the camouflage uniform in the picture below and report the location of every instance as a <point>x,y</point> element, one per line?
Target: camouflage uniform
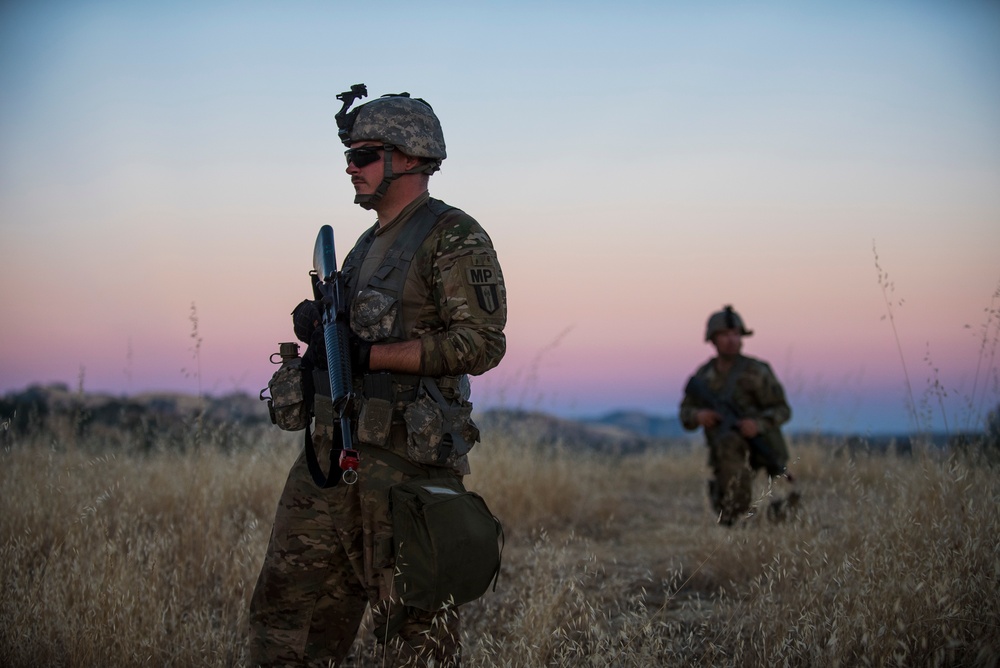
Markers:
<point>331,551</point>
<point>757,395</point>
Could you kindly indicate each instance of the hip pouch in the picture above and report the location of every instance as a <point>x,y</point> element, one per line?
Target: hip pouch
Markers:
<point>447,542</point>
<point>439,431</point>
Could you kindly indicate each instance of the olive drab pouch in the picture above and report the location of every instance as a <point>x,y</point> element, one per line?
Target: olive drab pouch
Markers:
<point>287,404</point>
<point>439,431</point>
<point>447,543</point>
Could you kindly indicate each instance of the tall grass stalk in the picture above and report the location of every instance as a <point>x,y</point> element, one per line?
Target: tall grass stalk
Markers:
<point>195,349</point>
<point>988,343</point>
<point>888,288</point>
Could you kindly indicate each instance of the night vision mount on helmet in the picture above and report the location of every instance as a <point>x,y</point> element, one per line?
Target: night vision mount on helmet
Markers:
<point>725,319</point>
<point>399,122</point>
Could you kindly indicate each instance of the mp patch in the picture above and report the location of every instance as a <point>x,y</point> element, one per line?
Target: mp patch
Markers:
<point>484,278</point>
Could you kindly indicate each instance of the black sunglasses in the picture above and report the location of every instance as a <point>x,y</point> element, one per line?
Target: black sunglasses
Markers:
<point>363,155</point>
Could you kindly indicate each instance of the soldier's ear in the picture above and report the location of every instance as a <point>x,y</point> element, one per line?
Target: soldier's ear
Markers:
<point>409,162</point>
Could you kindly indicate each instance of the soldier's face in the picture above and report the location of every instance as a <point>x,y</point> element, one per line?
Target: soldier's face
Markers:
<point>728,342</point>
<point>366,179</point>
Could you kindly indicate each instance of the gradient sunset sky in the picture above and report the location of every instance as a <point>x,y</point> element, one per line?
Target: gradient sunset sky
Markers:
<point>637,164</point>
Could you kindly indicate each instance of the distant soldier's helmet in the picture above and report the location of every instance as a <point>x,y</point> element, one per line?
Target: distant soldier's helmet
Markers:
<point>727,318</point>
<point>399,122</point>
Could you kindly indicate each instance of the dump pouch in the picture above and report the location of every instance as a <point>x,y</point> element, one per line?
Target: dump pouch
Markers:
<point>447,543</point>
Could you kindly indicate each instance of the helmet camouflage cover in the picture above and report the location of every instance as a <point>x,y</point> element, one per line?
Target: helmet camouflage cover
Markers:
<point>405,122</point>
<point>727,318</point>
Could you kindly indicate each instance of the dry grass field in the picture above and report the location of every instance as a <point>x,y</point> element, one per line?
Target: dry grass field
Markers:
<point>114,557</point>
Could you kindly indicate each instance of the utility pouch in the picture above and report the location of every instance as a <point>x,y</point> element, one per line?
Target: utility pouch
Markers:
<point>373,314</point>
<point>447,542</point>
<point>375,418</point>
<point>287,404</point>
<point>438,431</point>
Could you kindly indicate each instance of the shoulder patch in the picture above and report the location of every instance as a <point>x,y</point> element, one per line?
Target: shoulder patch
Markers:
<point>483,276</point>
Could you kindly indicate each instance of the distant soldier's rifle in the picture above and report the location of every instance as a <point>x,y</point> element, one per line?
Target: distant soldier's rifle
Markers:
<point>729,414</point>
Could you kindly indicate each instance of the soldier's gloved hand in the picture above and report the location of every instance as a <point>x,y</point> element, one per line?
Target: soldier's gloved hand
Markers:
<point>306,319</point>
<point>360,351</point>
<point>707,417</point>
<point>316,353</point>
<point>749,428</point>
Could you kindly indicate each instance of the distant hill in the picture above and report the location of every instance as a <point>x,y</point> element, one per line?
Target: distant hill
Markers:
<point>618,432</point>
<point>642,424</point>
<point>39,404</point>
<point>602,434</point>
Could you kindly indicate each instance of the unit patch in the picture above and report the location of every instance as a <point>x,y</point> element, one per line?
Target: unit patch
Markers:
<point>484,279</point>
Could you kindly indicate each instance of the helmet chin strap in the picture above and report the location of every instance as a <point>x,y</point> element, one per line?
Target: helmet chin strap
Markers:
<point>368,202</point>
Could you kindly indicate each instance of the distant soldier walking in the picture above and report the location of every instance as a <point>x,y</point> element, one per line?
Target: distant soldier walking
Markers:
<point>741,406</point>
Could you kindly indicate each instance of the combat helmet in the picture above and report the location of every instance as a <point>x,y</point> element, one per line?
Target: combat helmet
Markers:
<point>727,318</point>
<point>399,122</point>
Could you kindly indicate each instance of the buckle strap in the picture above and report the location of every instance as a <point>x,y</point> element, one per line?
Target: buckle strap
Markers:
<point>399,387</point>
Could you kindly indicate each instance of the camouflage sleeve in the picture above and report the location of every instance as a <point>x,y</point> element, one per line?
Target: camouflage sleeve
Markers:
<point>470,296</point>
<point>688,413</point>
<point>774,408</point>
<point>690,406</point>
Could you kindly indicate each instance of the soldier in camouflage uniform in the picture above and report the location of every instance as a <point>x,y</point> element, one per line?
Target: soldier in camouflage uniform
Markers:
<point>427,307</point>
<point>740,404</point>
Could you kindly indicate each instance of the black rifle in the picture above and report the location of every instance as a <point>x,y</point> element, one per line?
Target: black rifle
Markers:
<point>329,290</point>
<point>698,390</point>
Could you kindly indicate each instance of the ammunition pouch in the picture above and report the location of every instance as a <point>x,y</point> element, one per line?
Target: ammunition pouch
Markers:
<point>323,409</point>
<point>437,414</point>
<point>377,402</point>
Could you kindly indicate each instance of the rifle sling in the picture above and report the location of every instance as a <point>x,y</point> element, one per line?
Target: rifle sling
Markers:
<point>322,481</point>
<point>323,410</point>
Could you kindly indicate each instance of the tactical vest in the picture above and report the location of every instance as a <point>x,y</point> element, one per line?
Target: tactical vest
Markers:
<point>390,277</point>
<point>436,411</point>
